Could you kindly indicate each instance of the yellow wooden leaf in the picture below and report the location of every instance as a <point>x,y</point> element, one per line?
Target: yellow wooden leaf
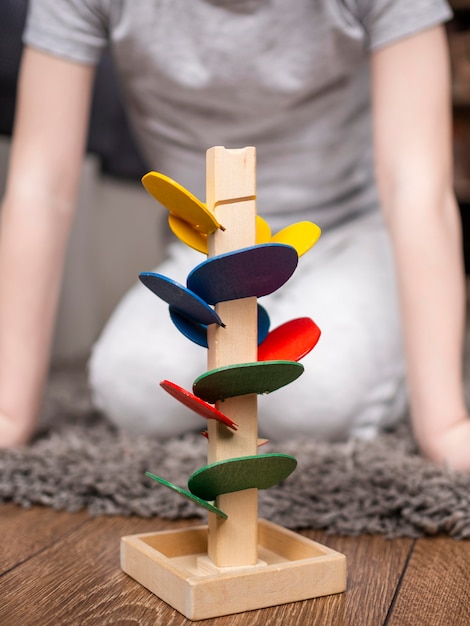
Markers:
<point>197,240</point>
<point>180,202</point>
<point>263,230</point>
<point>188,234</point>
<point>302,236</point>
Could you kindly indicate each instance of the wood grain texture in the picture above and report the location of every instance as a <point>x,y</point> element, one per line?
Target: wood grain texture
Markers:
<point>76,579</point>
<point>435,590</point>
<point>24,532</point>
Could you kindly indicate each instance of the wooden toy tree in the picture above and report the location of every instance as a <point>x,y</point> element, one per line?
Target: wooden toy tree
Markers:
<point>236,562</point>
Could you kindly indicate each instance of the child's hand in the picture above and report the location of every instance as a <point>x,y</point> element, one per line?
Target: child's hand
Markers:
<point>13,432</point>
<point>451,448</point>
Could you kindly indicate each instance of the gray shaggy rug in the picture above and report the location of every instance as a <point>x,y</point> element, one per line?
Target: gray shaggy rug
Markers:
<point>80,461</point>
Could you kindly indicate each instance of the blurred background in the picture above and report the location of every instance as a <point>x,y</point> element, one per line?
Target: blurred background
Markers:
<point>118,227</point>
<point>119,230</point>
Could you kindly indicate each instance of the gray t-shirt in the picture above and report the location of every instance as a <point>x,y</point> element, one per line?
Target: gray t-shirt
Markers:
<point>290,77</point>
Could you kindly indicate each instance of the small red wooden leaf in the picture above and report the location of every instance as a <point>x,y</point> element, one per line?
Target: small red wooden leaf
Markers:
<point>202,408</point>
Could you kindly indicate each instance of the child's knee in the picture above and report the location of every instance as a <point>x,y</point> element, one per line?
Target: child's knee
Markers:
<point>124,375</point>
<point>336,397</point>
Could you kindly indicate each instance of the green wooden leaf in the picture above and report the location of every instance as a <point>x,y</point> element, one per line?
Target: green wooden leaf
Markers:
<point>250,472</point>
<point>239,380</point>
<point>190,496</point>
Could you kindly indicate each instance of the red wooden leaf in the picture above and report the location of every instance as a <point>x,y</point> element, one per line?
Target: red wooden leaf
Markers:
<point>290,341</point>
<point>201,407</point>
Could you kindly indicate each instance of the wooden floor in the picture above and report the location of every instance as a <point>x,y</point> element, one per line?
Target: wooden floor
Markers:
<point>60,569</point>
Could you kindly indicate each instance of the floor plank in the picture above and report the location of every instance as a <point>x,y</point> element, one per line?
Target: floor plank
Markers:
<point>436,586</point>
<point>375,565</point>
<point>77,580</point>
<point>25,532</point>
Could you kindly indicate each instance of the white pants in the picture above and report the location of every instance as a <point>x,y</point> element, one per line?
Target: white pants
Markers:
<point>354,379</point>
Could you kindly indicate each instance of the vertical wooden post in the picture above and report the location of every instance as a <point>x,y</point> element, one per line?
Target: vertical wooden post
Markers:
<point>231,195</point>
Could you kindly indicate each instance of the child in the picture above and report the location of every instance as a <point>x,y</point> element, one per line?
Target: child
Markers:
<point>347,103</point>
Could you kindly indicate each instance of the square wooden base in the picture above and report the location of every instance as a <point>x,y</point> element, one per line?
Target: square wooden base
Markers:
<point>174,566</point>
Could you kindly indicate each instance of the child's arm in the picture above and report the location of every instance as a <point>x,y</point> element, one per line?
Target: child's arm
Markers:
<point>37,210</point>
<point>414,167</point>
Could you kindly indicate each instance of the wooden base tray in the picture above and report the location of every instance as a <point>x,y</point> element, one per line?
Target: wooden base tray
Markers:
<point>174,566</point>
